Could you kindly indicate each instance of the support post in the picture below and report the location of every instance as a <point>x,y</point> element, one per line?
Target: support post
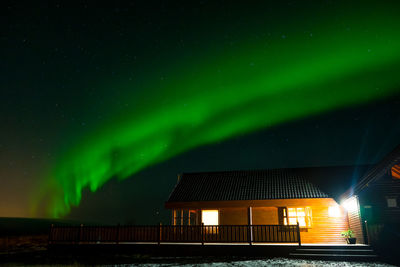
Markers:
<point>298,233</point>
<point>249,226</point>
<point>366,229</point>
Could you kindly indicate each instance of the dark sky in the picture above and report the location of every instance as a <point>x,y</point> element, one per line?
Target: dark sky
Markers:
<point>69,73</point>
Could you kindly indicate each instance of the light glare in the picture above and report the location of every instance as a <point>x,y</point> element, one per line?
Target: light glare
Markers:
<point>334,211</point>
<point>351,204</point>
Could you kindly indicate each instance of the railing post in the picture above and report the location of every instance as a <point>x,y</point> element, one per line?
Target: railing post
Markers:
<point>117,237</point>
<point>80,234</point>
<point>159,233</point>
<point>50,234</point>
<point>202,233</point>
<point>298,233</point>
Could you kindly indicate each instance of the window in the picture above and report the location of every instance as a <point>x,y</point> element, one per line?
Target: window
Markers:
<point>396,171</point>
<point>209,217</point>
<point>192,217</point>
<point>210,220</point>
<point>301,215</point>
<point>391,202</point>
<point>184,217</point>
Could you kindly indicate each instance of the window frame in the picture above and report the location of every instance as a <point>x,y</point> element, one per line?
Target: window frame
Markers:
<point>394,199</point>
<point>395,171</point>
<point>307,216</point>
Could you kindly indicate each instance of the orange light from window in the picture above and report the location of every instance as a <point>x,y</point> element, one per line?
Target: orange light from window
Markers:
<point>209,217</point>
<point>396,171</point>
<point>297,215</point>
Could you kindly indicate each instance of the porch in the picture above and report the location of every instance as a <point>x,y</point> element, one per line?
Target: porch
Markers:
<point>201,240</point>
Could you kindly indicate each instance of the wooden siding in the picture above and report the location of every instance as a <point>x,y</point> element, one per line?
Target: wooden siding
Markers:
<point>265,215</point>
<point>324,229</point>
<point>375,197</point>
<point>233,216</point>
<point>356,225</point>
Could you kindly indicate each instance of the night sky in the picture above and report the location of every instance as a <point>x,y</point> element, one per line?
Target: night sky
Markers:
<point>101,108</point>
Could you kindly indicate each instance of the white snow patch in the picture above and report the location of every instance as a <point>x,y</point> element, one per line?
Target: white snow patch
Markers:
<point>265,263</point>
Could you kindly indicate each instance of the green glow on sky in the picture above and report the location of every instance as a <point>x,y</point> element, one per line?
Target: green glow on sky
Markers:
<point>239,91</point>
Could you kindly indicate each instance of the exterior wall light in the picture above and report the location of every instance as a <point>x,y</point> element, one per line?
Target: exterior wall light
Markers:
<point>351,204</point>
<point>334,211</point>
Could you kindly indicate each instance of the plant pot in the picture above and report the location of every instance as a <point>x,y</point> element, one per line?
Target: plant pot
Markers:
<point>351,240</point>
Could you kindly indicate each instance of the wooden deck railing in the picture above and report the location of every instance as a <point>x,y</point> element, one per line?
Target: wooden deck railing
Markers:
<point>175,234</point>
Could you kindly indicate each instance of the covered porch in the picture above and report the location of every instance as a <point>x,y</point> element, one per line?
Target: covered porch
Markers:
<point>320,221</point>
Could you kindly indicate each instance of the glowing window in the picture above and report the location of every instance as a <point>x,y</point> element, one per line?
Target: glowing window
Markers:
<point>209,217</point>
<point>334,211</point>
<point>391,202</point>
<point>396,171</point>
<point>300,215</point>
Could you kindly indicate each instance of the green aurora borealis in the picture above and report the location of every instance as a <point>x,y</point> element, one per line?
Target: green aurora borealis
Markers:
<point>231,93</point>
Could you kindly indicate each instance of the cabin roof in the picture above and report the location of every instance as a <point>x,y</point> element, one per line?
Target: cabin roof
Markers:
<point>244,185</point>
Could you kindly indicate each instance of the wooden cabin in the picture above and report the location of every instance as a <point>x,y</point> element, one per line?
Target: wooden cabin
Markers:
<point>262,197</point>
<point>373,203</point>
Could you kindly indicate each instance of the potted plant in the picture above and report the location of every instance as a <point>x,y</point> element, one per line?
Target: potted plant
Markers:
<point>349,235</point>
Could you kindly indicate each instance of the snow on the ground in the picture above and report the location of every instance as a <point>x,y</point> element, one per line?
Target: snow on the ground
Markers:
<point>204,262</point>
<point>279,262</point>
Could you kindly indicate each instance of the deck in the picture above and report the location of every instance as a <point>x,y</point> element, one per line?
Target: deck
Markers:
<point>189,234</point>
<point>200,240</point>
